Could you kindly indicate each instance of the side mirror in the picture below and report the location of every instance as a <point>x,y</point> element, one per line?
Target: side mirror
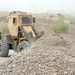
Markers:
<point>34,20</point>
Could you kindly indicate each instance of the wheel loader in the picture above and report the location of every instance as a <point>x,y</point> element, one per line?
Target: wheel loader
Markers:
<point>19,34</point>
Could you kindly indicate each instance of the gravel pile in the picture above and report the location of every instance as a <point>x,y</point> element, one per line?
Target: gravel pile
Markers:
<point>50,55</point>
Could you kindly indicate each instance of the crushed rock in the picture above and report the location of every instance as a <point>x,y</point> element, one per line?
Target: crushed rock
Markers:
<point>49,55</point>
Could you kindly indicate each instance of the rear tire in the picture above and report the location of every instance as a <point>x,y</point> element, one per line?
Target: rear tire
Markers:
<point>23,46</point>
<point>3,48</point>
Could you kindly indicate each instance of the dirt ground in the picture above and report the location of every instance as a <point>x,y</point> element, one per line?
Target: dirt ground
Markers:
<point>52,54</point>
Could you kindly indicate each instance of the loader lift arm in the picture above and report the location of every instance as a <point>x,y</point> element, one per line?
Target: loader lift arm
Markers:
<point>24,34</point>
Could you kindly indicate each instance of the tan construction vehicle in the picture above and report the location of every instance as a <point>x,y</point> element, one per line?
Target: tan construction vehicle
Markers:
<point>20,33</point>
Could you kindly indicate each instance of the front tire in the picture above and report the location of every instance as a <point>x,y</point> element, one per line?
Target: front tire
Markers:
<point>3,48</point>
<point>23,46</point>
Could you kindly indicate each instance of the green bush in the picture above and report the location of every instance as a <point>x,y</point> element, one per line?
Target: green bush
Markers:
<point>59,26</point>
<point>3,29</point>
<point>72,19</point>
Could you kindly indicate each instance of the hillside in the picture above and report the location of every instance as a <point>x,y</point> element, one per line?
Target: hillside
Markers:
<point>52,54</point>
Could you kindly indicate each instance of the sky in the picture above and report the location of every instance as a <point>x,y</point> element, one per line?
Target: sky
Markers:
<point>38,6</point>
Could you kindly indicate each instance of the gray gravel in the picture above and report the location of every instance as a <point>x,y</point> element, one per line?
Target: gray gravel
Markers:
<point>50,55</point>
<point>4,59</point>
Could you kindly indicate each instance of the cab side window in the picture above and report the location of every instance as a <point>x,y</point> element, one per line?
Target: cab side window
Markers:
<point>14,20</point>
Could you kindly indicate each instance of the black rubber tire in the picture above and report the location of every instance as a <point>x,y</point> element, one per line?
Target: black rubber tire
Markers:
<point>4,48</point>
<point>23,46</point>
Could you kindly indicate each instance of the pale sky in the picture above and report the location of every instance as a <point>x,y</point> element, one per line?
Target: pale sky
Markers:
<point>66,6</point>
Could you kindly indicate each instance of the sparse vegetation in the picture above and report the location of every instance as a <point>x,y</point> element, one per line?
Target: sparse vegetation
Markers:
<point>60,26</point>
<point>72,19</point>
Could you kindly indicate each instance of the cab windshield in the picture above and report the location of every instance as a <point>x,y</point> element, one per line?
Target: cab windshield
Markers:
<point>26,20</point>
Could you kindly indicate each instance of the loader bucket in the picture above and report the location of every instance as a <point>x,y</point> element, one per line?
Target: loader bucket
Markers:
<point>38,36</point>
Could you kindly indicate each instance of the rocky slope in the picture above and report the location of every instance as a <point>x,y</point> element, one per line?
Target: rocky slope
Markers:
<point>50,55</point>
